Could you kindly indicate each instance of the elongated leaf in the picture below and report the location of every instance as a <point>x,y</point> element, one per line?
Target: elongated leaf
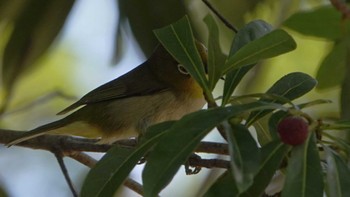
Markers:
<point>35,30</point>
<point>180,141</point>
<point>313,22</point>
<point>290,86</point>
<point>216,58</point>
<point>178,39</point>
<point>224,186</point>
<point>110,172</point>
<point>338,174</point>
<point>272,156</point>
<point>338,125</point>
<point>304,173</point>
<point>101,180</point>
<point>10,9</point>
<point>293,85</point>
<point>264,96</point>
<point>313,103</point>
<point>345,94</point>
<point>245,156</point>
<point>252,31</point>
<point>270,45</point>
<point>262,131</point>
<point>344,144</point>
<point>332,69</point>
<point>142,17</point>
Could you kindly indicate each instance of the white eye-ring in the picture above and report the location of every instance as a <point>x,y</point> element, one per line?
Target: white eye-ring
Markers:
<point>182,69</point>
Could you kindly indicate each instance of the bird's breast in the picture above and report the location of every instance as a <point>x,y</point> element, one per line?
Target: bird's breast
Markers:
<point>129,116</point>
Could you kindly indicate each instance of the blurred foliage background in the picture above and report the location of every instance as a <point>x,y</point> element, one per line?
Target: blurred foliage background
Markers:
<point>55,51</point>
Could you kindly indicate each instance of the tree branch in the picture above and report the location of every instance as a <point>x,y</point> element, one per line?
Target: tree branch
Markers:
<point>228,24</point>
<point>63,167</point>
<point>83,158</point>
<point>134,186</point>
<point>73,146</point>
<point>69,145</point>
<point>208,163</point>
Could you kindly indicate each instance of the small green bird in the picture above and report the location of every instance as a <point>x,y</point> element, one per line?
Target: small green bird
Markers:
<point>158,90</point>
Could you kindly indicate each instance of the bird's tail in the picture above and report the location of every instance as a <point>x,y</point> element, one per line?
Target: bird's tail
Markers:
<point>38,131</point>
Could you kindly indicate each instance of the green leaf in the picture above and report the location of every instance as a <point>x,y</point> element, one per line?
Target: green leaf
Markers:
<point>224,186</point>
<point>262,131</point>
<point>245,155</point>
<point>345,95</point>
<point>261,125</point>
<point>142,17</point>
<point>313,103</point>
<point>272,156</point>
<point>264,96</point>
<point>276,117</point>
<point>216,58</point>
<point>325,22</point>
<point>34,31</point>
<point>304,173</point>
<point>252,31</point>
<point>338,174</point>
<point>345,87</point>
<point>3,191</point>
<point>270,45</point>
<point>10,9</point>
<point>291,86</point>
<point>332,69</point>
<point>178,39</point>
<point>102,179</point>
<point>343,144</point>
<point>110,172</point>
<point>178,144</point>
<point>273,122</point>
<point>338,125</point>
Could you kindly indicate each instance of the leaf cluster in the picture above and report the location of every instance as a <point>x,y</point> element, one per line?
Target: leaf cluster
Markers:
<point>167,146</point>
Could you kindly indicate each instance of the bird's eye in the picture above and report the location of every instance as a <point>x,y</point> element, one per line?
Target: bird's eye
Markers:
<point>182,69</point>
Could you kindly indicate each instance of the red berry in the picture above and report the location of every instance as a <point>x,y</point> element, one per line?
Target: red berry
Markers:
<point>293,130</point>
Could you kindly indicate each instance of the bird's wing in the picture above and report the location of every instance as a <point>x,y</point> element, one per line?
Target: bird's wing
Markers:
<point>139,81</point>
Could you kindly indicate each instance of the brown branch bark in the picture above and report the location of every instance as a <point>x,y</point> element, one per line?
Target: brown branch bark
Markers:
<point>69,144</point>
<point>134,186</point>
<point>208,163</point>
<point>74,147</point>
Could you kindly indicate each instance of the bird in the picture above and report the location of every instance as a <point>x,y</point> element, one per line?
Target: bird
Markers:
<point>160,89</point>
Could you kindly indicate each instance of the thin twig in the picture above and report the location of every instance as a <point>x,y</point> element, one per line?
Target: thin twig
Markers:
<point>69,144</point>
<point>82,158</point>
<point>228,24</point>
<point>91,162</point>
<point>208,163</point>
<point>134,186</point>
<point>63,167</point>
<point>39,101</point>
<point>213,147</point>
<point>213,104</point>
